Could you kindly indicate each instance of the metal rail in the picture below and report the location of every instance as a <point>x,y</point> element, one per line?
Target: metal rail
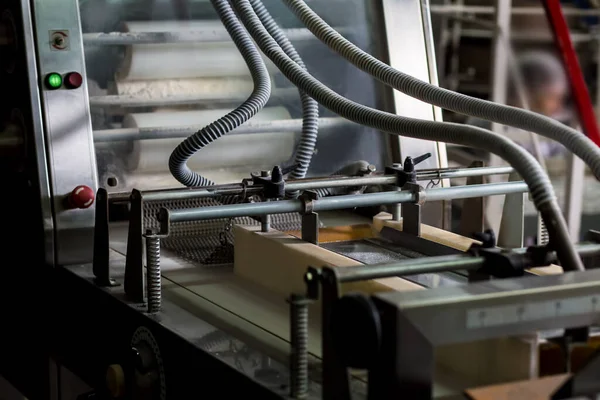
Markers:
<point>429,265</point>
<point>178,132</point>
<point>338,202</point>
<point>451,9</point>
<point>236,189</point>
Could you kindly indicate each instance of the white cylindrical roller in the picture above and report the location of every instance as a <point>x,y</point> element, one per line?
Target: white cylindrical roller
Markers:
<point>181,60</point>
<point>230,151</point>
<point>222,88</point>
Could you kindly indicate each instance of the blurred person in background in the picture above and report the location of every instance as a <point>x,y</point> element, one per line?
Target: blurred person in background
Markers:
<point>546,88</point>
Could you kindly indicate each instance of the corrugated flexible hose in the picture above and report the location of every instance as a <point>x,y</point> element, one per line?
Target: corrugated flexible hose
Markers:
<point>538,182</point>
<point>573,140</point>
<point>310,108</point>
<point>253,104</point>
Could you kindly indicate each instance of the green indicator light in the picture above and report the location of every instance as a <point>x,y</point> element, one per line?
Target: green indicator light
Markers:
<point>54,80</point>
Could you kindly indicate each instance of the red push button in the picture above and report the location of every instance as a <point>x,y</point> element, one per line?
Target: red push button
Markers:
<point>81,197</point>
<point>73,80</point>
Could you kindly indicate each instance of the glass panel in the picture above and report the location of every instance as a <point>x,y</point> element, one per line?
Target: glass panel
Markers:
<point>137,85</point>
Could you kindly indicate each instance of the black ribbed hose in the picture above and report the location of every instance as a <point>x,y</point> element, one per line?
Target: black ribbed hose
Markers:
<point>310,108</point>
<point>575,141</point>
<point>253,104</point>
<point>537,180</point>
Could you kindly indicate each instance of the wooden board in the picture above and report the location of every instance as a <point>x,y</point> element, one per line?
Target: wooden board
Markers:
<point>278,262</point>
<point>341,233</point>
<point>449,239</point>
<point>536,389</point>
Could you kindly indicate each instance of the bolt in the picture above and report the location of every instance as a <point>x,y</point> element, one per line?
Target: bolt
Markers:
<point>265,223</point>
<point>397,165</point>
<point>153,272</point>
<point>371,168</point>
<point>264,174</point>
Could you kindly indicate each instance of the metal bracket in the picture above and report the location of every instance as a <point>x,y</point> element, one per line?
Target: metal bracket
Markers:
<point>411,212</point>
<point>512,224</point>
<point>134,267</point>
<point>310,219</point>
<point>473,209</point>
<point>101,264</point>
<point>336,379</point>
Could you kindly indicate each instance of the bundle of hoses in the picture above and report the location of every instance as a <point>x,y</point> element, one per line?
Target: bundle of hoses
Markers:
<point>252,105</point>
<point>538,182</point>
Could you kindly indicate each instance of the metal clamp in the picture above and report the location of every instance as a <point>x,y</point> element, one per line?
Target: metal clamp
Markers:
<point>272,183</point>
<point>101,265</point>
<point>411,212</point>
<point>310,219</point>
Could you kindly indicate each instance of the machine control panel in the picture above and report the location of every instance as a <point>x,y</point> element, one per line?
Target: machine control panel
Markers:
<point>68,130</point>
<point>71,80</point>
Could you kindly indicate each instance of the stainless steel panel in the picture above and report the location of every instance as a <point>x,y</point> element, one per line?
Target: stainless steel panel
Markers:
<point>38,133</point>
<point>499,308</point>
<point>70,147</point>
<point>408,29</point>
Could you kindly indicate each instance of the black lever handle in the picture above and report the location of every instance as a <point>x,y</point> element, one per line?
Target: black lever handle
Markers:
<point>409,162</point>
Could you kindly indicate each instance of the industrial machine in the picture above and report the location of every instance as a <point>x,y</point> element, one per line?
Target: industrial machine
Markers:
<point>187,220</point>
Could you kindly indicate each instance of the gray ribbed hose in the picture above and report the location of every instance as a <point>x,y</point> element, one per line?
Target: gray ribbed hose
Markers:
<point>310,108</point>
<point>253,104</point>
<point>573,140</point>
<point>538,182</point>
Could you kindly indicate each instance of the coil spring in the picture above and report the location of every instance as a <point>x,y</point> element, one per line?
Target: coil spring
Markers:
<point>153,273</point>
<point>299,345</point>
<point>543,232</point>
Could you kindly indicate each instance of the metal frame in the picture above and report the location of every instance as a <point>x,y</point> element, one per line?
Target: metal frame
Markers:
<point>37,134</point>
<point>67,125</point>
<point>492,309</point>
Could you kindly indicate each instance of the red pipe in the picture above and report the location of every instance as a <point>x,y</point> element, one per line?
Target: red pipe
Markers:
<point>581,95</point>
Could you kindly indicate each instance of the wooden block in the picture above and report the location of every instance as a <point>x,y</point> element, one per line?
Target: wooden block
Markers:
<point>341,233</point>
<point>449,239</point>
<point>278,262</point>
<point>537,389</point>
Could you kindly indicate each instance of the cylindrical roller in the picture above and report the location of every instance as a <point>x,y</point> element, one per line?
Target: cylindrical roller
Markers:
<point>181,60</point>
<point>230,151</point>
<point>221,88</point>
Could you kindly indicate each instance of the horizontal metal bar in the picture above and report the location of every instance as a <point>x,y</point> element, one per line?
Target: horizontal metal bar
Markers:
<point>450,8</point>
<point>192,36</point>
<point>415,266</point>
<point>433,264</point>
<point>176,132</point>
<point>451,173</point>
<point>132,101</point>
<point>342,181</point>
<point>525,36</point>
<point>470,191</point>
<point>234,189</point>
<point>343,202</point>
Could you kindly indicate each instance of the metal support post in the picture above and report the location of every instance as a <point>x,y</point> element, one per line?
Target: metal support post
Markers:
<point>512,225</point>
